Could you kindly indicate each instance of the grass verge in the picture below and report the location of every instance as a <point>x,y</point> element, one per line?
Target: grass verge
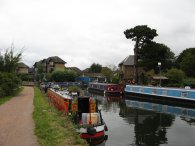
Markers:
<point>51,126</point>
<point>7,98</point>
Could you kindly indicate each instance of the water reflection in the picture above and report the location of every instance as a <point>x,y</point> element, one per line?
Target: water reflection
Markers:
<point>135,123</point>
<point>150,127</point>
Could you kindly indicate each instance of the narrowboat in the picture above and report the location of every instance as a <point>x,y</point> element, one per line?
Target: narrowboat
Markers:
<point>174,96</point>
<point>60,99</point>
<point>105,89</point>
<point>85,114</point>
<point>88,119</point>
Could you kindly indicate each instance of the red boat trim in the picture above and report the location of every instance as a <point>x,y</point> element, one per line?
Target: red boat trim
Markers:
<point>86,135</point>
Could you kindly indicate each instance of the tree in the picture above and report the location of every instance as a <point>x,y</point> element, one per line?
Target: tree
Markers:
<point>63,76</point>
<point>153,52</point>
<point>95,68</point>
<point>175,77</point>
<point>9,61</point>
<point>142,35</point>
<point>9,82</point>
<point>186,61</point>
<point>107,72</point>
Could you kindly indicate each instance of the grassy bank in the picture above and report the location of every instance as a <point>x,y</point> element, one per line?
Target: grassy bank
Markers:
<point>51,126</point>
<point>6,98</point>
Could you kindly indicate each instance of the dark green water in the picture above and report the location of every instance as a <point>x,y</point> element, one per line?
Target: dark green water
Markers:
<point>134,123</point>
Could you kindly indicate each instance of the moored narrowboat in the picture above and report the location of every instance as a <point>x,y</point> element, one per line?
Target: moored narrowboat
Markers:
<point>174,96</point>
<point>60,99</point>
<point>86,115</point>
<point>105,88</point>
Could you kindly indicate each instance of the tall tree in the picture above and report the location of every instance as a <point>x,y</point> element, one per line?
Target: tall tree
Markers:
<point>95,68</point>
<point>141,34</point>
<point>153,52</point>
<point>186,61</point>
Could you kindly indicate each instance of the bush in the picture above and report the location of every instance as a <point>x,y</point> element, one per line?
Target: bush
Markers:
<point>115,79</point>
<point>73,88</point>
<point>26,77</point>
<point>63,76</point>
<point>9,82</point>
<point>175,77</point>
<point>189,82</point>
<point>2,93</point>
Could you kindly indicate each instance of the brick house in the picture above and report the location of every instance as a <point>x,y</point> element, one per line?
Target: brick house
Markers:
<point>50,64</point>
<point>127,70</point>
<point>22,68</point>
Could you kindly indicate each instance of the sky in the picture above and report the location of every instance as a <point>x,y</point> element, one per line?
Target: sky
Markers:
<point>82,32</point>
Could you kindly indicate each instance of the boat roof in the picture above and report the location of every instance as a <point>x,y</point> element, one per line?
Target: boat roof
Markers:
<point>165,88</point>
<point>102,83</point>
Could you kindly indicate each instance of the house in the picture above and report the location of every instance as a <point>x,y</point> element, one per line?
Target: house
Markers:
<point>50,64</point>
<point>55,63</point>
<point>127,70</point>
<point>75,69</point>
<point>22,68</point>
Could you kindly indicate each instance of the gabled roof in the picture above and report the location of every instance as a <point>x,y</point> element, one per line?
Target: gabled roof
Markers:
<point>56,59</point>
<point>22,65</point>
<point>74,69</point>
<point>129,60</point>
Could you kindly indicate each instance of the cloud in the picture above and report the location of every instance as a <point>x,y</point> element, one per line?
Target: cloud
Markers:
<point>84,32</point>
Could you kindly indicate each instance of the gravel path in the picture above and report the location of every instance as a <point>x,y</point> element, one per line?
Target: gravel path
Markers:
<point>16,123</point>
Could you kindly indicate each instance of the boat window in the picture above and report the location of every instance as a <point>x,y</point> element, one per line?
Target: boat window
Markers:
<point>83,105</point>
<point>141,90</point>
<point>164,92</point>
<point>184,94</point>
<point>154,91</point>
<point>93,117</point>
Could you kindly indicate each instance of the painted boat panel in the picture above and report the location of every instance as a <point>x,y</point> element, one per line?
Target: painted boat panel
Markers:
<point>166,92</point>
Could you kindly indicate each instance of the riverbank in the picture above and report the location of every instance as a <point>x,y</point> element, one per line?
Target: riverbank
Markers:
<point>52,128</point>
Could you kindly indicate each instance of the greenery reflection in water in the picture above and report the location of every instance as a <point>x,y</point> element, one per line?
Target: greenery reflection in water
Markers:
<point>149,127</point>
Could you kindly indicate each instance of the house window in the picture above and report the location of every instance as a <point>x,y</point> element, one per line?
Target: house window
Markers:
<point>51,63</point>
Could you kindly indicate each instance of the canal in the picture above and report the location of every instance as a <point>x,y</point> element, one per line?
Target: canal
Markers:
<point>136,123</point>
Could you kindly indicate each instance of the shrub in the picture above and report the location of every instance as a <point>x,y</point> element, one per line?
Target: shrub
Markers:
<point>26,77</point>
<point>9,82</point>
<point>189,82</point>
<point>175,77</point>
<point>73,88</point>
<point>62,76</point>
<point>2,93</point>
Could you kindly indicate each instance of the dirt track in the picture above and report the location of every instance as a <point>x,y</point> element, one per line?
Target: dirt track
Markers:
<point>16,123</point>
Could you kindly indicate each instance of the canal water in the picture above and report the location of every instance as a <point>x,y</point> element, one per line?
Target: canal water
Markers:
<point>135,123</point>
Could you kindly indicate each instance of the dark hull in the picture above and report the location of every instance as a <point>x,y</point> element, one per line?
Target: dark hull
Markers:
<point>161,99</point>
<point>104,93</point>
<point>94,139</point>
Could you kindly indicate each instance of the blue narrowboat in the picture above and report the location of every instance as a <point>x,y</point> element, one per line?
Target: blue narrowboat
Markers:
<point>105,88</point>
<point>181,96</point>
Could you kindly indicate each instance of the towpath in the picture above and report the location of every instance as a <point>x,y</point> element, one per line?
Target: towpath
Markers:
<point>16,122</point>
